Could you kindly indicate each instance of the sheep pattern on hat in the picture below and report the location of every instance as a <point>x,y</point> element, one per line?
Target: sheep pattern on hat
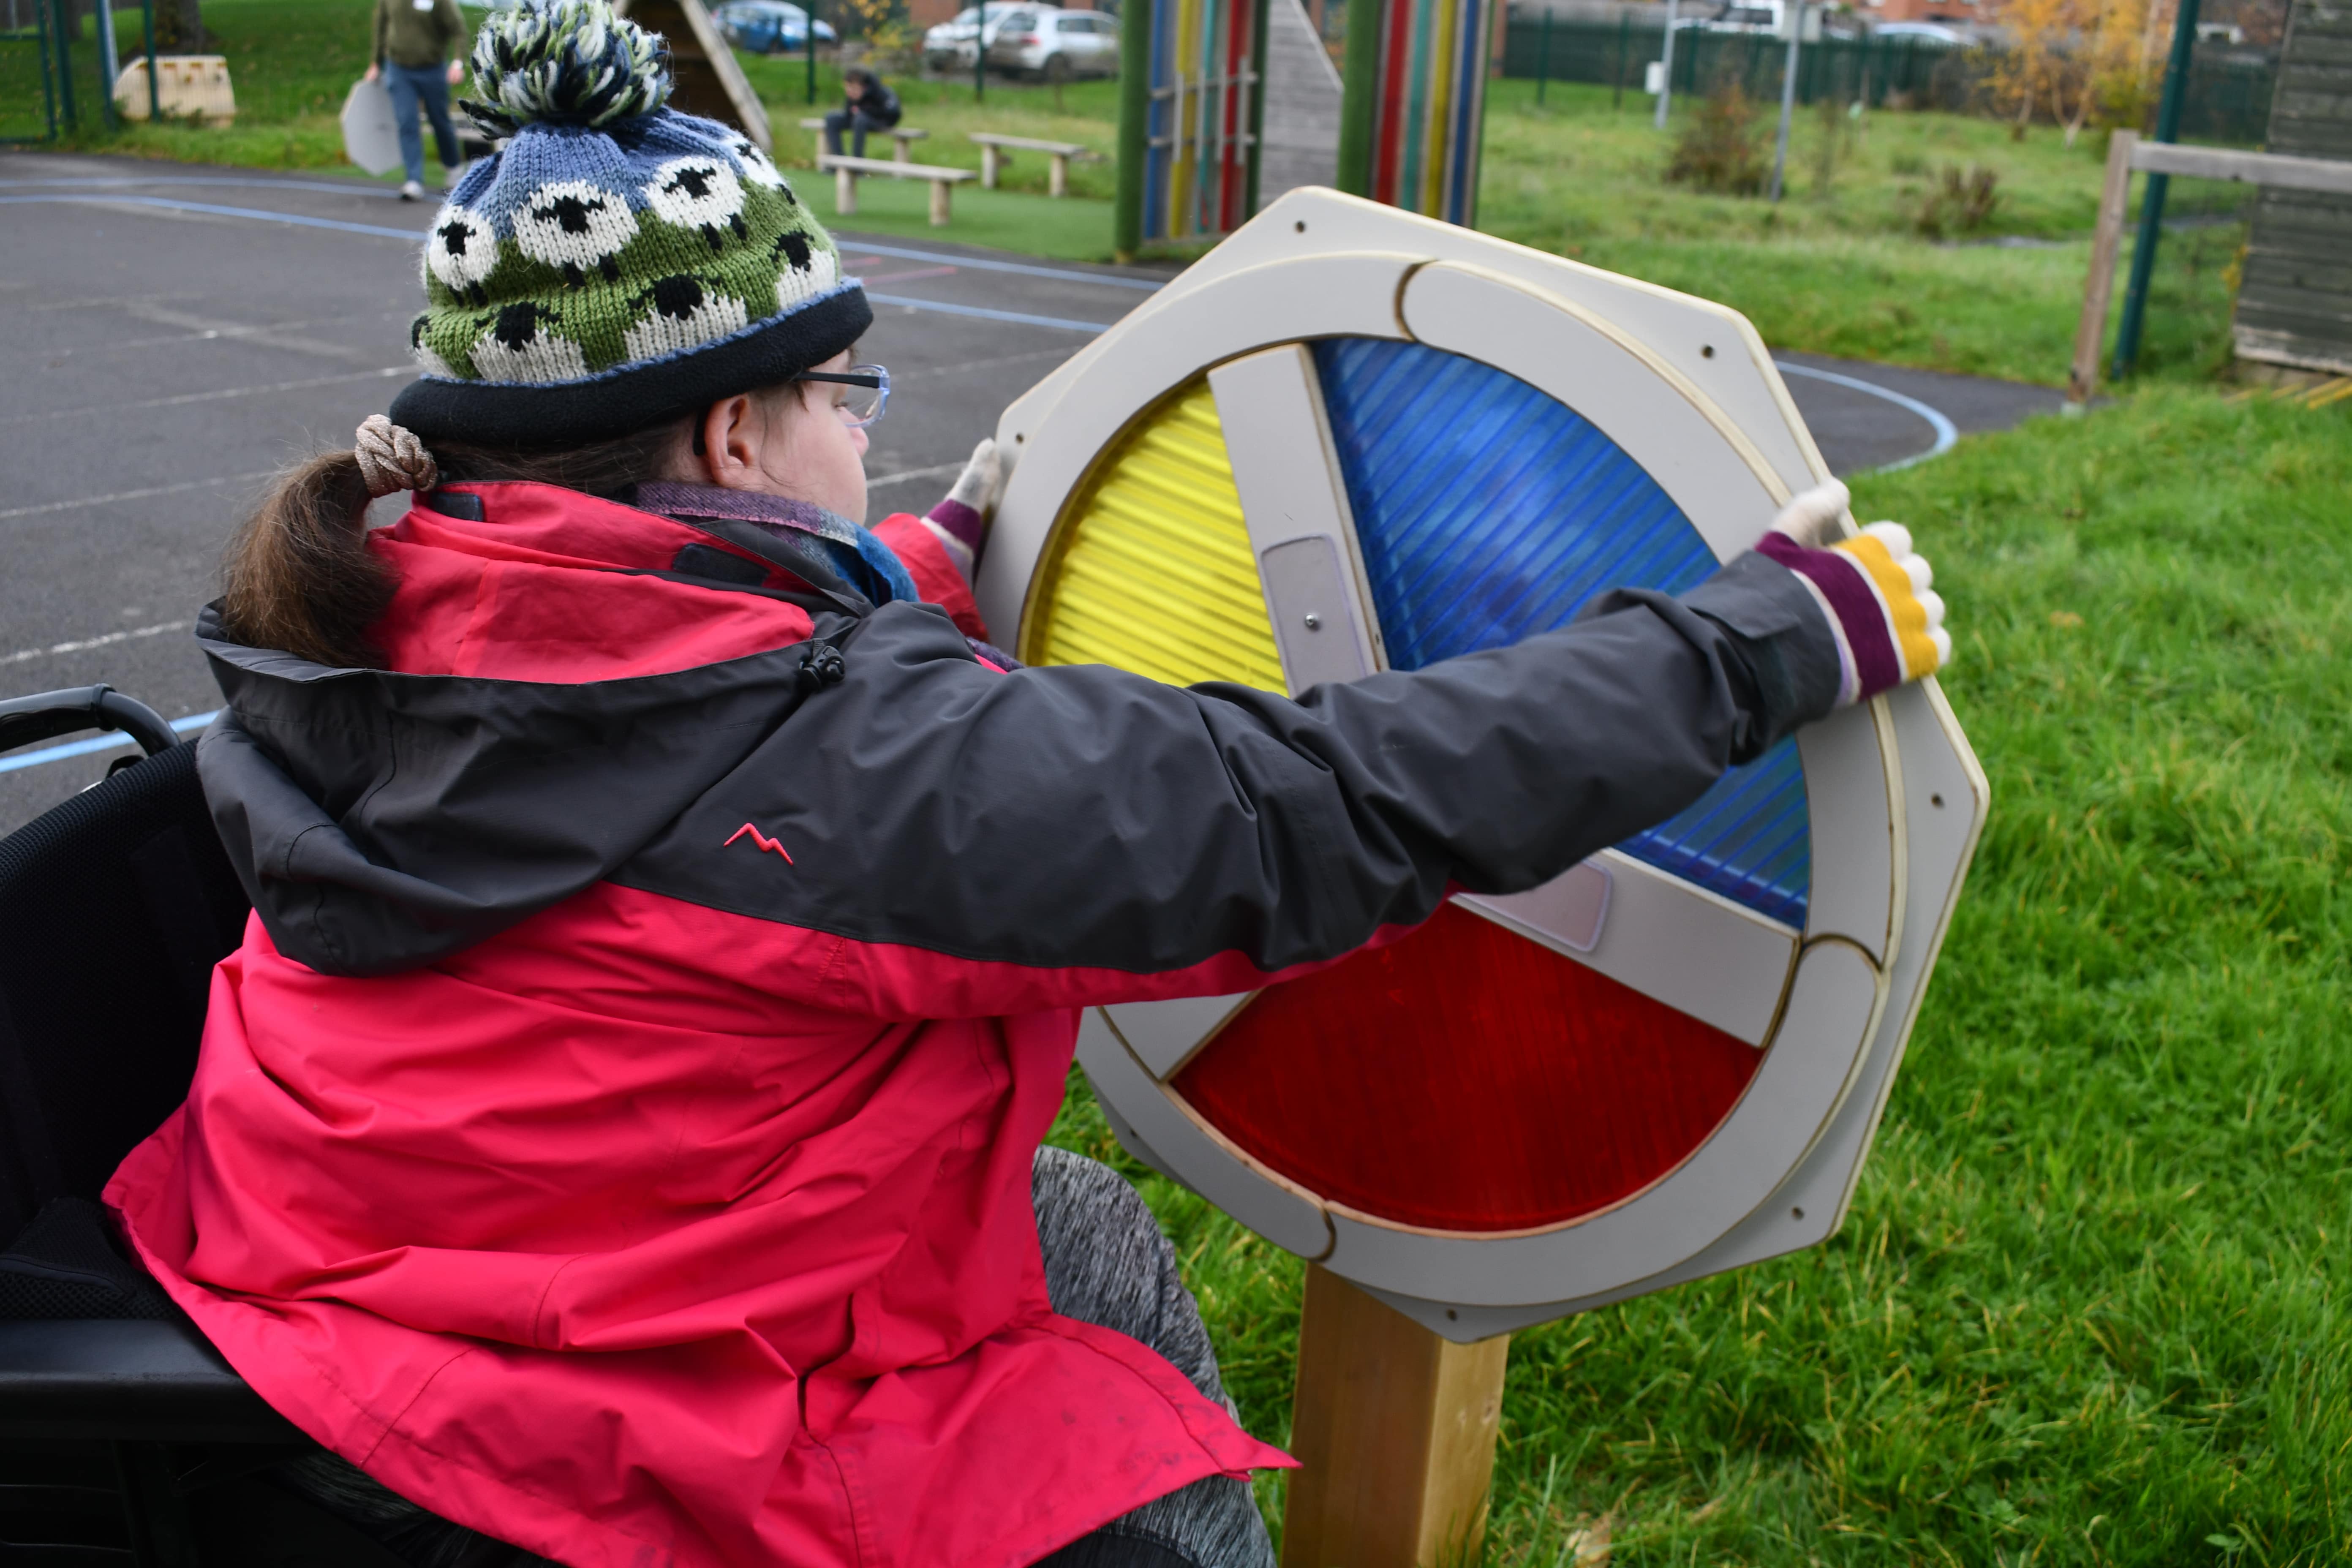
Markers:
<point>583,251</point>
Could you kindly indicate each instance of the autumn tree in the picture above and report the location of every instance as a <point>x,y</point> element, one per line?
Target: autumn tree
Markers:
<point>2077,60</point>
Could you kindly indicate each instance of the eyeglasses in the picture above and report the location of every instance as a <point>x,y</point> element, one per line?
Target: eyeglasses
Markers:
<point>868,396</point>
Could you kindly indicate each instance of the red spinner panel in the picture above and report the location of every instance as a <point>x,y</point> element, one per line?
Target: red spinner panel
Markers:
<point>1466,1080</point>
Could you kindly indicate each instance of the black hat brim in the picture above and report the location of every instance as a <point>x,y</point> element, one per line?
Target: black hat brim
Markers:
<point>574,414</point>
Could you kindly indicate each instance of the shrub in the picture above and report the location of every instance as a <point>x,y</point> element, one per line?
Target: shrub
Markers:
<point>1960,204</point>
<point>1720,149</point>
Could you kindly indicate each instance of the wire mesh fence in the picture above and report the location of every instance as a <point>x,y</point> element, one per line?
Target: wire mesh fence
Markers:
<point>2229,96</point>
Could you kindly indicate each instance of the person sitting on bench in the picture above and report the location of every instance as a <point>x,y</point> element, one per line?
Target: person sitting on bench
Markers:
<point>868,106</point>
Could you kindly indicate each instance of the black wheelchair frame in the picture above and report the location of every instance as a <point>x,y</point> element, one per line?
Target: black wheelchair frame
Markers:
<point>124,1436</point>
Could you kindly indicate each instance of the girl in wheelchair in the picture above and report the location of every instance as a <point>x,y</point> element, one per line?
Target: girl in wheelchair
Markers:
<point>617,1139</point>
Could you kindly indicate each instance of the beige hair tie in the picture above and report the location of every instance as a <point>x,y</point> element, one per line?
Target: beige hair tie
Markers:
<point>392,459</point>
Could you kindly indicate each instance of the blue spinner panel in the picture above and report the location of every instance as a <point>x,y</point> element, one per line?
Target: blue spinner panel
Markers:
<point>1488,513</point>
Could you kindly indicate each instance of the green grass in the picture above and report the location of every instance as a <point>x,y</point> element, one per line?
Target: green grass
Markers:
<point>1837,268</point>
<point>1840,267</point>
<point>2089,1307</point>
<point>291,64</point>
<point>1018,216</point>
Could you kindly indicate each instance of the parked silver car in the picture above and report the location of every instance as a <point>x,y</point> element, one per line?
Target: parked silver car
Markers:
<point>1052,44</point>
<point>950,45</point>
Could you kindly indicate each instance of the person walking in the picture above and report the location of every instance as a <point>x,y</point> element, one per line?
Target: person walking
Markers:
<point>867,105</point>
<point>412,41</point>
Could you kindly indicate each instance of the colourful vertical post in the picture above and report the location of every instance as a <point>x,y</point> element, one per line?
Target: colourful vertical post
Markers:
<point>1414,103</point>
<point>1192,110</point>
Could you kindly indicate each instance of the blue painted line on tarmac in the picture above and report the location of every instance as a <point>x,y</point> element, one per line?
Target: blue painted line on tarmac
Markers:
<point>987,264</point>
<point>300,220</point>
<point>1948,434</point>
<point>986,314</point>
<point>96,743</point>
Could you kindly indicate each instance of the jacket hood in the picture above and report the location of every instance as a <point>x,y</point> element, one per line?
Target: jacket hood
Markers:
<point>381,820</point>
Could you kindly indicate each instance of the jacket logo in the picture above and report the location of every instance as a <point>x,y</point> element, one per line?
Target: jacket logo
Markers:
<point>760,838</point>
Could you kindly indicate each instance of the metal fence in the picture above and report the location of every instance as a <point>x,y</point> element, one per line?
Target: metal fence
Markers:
<point>2229,95</point>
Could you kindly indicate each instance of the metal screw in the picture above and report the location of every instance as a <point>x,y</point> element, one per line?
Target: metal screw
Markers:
<point>1314,622</point>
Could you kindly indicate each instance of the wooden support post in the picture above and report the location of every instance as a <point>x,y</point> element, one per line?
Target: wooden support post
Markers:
<point>2106,239</point>
<point>1057,183</point>
<point>844,192</point>
<point>988,159</point>
<point>1395,1431</point>
<point>940,189</point>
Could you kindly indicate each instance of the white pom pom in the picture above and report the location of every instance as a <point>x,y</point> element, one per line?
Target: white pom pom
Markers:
<point>566,62</point>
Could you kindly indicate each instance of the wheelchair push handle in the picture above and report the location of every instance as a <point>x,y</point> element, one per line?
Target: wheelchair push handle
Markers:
<point>45,714</point>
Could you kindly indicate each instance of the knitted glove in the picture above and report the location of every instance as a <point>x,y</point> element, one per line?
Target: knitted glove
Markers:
<point>961,519</point>
<point>1873,590</point>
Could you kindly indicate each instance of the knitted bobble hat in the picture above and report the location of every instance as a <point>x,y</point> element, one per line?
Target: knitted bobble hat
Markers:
<point>615,264</point>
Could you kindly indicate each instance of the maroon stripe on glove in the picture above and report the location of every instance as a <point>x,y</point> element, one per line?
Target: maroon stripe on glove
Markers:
<point>1861,621</point>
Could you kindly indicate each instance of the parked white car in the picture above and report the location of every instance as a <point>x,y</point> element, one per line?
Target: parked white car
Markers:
<point>1925,32</point>
<point>1051,45</point>
<point>949,43</point>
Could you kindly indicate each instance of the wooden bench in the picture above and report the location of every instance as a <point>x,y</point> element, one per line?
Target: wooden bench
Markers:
<point>901,136</point>
<point>994,153</point>
<point>845,170</point>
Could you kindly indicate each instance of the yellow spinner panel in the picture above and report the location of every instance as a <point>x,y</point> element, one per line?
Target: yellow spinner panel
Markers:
<point>1150,569</point>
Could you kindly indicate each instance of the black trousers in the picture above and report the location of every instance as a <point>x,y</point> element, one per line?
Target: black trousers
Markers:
<point>857,123</point>
<point>1106,1263</point>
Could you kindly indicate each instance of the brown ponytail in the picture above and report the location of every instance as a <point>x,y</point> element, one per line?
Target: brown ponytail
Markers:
<point>298,574</point>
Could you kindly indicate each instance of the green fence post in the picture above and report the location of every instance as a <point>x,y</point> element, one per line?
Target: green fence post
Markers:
<point>154,88</point>
<point>1543,54</point>
<point>1134,127</point>
<point>1358,94</point>
<point>2151,200</point>
<point>109,66</point>
<point>1624,43</point>
<point>980,52</point>
<point>808,38</point>
<point>48,93</point>
<point>64,66</point>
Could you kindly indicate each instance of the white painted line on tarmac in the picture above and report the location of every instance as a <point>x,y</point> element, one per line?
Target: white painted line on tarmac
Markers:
<point>1948,435</point>
<point>1026,269</point>
<point>81,644</point>
<point>984,313</point>
<point>300,220</point>
<point>131,495</point>
<point>214,394</point>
